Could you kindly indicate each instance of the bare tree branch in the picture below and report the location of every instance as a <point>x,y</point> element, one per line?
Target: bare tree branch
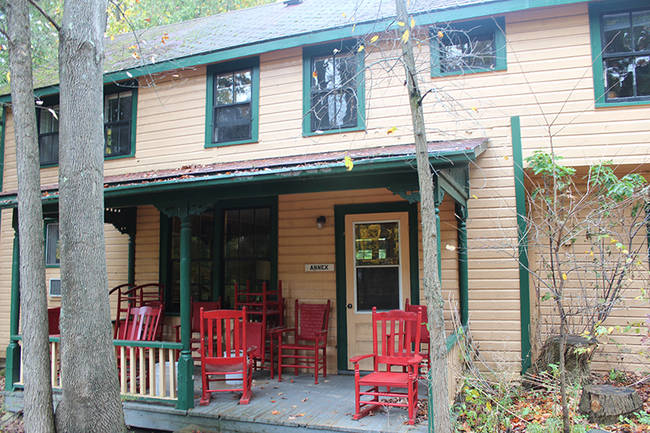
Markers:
<point>46,15</point>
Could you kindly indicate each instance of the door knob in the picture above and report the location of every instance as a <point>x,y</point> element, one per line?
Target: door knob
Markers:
<point>349,306</point>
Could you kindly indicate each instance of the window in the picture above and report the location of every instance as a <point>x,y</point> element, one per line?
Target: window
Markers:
<point>52,250</point>
<point>622,52</point>
<point>247,248</point>
<point>333,95</point>
<point>48,135</point>
<point>233,243</point>
<point>120,106</point>
<point>232,108</point>
<point>475,46</point>
<point>117,123</point>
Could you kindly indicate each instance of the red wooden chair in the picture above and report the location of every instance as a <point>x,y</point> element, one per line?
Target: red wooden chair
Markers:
<point>136,296</point>
<point>224,352</point>
<point>255,343</point>
<point>310,335</point>
<point>195,341</point>
<point>392,342</point>
<point>141,323</point>
<point>425,340</point>
<point>53,315</point>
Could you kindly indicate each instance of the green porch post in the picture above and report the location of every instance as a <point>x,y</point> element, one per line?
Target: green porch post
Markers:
<point>131,260</point>
<point>522,230</point>
<point>463,273</point>
<point>185,363</point>
<point>12,372</point>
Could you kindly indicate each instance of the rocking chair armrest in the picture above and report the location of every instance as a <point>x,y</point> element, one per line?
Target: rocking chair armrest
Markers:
<point>178,332</point>
<point>283,330</point>
<point>358,358</point>
<point>415,360</point>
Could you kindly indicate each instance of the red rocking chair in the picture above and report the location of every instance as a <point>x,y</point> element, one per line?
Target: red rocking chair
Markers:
<point>310,335</point>
<point>224,352</point>
<point>392,346</point>
<point>141,323</point>
<point>425,340</point>
<point>196,322</point>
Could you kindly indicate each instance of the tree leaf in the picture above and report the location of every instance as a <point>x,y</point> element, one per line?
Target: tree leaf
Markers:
<point>374,39</point>
<point>349,164</point>
<point>405,36</point>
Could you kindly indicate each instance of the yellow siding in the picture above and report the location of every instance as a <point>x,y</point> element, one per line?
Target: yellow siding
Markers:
<point>548,83</point>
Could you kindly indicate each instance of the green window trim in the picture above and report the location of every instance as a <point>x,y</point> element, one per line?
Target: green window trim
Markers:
<point>596,11</point>
<point>496,25</point>
<point>3,123</point>
<point>308,54</point>
<point>252,63</point>
<point>109,89</point>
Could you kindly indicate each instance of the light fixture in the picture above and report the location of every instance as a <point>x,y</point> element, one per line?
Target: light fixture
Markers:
<point>320,222</point>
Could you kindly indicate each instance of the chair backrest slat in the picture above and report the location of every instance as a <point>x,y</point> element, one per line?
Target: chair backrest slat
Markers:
<point>141,323</point>
<point>223,334</point>
<point>399,335</point>
<point>311,319</point>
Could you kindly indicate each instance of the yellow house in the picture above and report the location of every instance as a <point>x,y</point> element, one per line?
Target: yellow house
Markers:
<point>275,141</point>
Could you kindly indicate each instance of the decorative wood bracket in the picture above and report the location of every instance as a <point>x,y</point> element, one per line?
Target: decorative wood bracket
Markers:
<point>183,208</point>
<point>123,219</point>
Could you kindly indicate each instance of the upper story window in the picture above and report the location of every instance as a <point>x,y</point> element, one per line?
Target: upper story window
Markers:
<point>232,106</point>
<point>333,97</point>
<point>52,251</point>
<point>120,106</point>
<point>620,40</point>
<point>48,135</point>
<point>468,47</point>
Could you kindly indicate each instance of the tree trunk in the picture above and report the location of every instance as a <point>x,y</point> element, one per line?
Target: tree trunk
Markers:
<point>38,413</point>
<point>566,422</point>
<point>438,392</point>
<point>91,398</point>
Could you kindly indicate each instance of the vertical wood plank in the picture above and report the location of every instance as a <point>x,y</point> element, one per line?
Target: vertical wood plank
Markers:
<point>172,373</point>
<point>143,376</point>
<point>132,371</point>
<point>122,370</point>
<point>163,372</point>
<point>152,372</point>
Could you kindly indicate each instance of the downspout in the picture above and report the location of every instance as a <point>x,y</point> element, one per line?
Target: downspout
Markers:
<point>522,240</point>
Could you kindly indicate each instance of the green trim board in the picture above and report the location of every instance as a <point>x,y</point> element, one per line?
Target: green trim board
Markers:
<point>351,31</point>
<point>495,26</point>
<point>12,365</point>
<point>596,10</point>
<point>330,176</point>
<point>463,263</point>
<point>308,54</point>
<point>340,211</point>
<point>522,230</point>
<point>252,63</point>
<point>3,128</point>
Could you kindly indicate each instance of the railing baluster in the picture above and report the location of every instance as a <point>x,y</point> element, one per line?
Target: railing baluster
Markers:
<point>163,372</point>
<point>172,373</point>
<point>122,370</point>
<point>22,369</point>
<point>143,376</point>
<point>152,372</point>
<point>132,369</point>
<point>53,364</point>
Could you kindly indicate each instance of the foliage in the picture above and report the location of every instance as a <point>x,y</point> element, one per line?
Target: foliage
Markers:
<point>123,16</point>
<point>587,231</point>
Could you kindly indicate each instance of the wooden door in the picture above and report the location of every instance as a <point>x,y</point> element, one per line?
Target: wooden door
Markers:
<point>377,273</point>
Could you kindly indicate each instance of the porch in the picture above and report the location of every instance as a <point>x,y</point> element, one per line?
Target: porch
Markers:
<point>295,404</point>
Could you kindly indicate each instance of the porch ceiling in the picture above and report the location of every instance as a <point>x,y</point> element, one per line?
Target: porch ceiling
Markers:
<point>393,159</point>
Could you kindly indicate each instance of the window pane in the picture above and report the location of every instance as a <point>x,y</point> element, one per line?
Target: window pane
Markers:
<point>52,252</point>
<point>223,97</point>
<point>111,108</point>
<point>323,73</point>
<point>619,78</point>
<point>616,30</point>
<point>641,30</point>
<point>48,147</point>
<point>125,107</point>
<point>346,70</point>
<point>642,74</point>
<point>376,244</point>
<point>232,123</point>
<point>242,86</point>
<point>224,81</point>
<point>467,50</point>
<point>377,287</point>
<point>47,122</point>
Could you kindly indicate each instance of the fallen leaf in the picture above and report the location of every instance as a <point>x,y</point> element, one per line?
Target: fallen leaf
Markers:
<point>391,130</point>
<point>349,164</point>
<point>275,412</point>
<point>301,414</point>
<point>401,23</point>
<point>360,48</point>
<point>412,22</point>
<point>374,39</point>
<point>305,399</point>
<point>440,35</point>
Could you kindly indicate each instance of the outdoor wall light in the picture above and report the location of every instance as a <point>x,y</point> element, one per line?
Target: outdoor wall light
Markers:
<point>320,222</point>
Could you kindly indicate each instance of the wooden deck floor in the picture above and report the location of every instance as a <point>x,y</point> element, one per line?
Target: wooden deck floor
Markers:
<point>286,406</point>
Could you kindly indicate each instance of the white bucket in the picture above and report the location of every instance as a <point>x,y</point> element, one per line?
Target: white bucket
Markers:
<point>234,378</point>
<point>158,376</point>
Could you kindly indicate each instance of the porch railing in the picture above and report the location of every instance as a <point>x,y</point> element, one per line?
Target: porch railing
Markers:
<point>147,369</point>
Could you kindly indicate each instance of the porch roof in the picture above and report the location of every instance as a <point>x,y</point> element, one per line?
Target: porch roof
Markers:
<point>401,157</point>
